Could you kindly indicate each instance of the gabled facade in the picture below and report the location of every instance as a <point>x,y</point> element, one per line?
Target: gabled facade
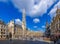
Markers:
<point>3,30</point>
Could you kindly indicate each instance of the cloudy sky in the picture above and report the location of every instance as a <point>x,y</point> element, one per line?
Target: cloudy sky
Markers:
<point>37,12</point>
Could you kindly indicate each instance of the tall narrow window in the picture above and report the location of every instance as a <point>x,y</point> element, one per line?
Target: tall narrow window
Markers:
<point>59,22</point>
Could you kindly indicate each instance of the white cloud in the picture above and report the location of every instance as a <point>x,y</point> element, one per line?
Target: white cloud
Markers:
<point>52,13</point>
<point>43,26</point>
<point>35,26</point>
<point>39,9</point>
<point>3,0</point>
<point>31,9</point>
<point>40,29</point>
<point>36,20</point>
<point>37,1</point>
<point>50,2</point>
<point>18,21</point>
<point>58,4</point>
<point>20,4</point>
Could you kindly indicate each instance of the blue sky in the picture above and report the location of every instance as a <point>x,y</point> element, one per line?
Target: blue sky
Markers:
<point>37,12</point>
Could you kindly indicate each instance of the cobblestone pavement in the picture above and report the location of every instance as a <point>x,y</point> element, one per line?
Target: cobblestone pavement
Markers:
<point>22,42</point>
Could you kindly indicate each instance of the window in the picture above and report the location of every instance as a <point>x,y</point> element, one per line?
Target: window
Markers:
<point>1,36</point>
<point>1,29</point>
<point>0,26</point>
<point>4,35</point>
<point>59,22</point>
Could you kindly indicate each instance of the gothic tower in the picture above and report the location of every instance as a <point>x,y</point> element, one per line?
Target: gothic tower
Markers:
<point>24,22</point>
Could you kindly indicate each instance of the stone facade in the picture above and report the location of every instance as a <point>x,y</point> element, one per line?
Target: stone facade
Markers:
<point>18,31</point>
<point>55,24</point>
<point>11,28</point>
<point>47,31</point>
<point>3,30</point>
